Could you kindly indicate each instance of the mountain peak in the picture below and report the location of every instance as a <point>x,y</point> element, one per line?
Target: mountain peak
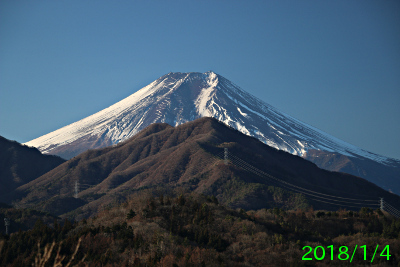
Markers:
<point>212,78</point>
<point>176,98</point>
<point>210,72</point>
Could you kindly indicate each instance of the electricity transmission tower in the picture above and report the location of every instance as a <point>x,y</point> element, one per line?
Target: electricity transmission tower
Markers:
<point>7,223</point>
<point>76,188</point>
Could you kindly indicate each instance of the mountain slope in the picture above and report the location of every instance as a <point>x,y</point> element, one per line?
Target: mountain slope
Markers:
<point>186,156</point>
<point>176,98</point>
<point>21,164</point>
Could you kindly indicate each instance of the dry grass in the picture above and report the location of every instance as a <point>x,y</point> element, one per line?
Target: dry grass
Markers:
<point>42,259</point>
<point>1,245</point>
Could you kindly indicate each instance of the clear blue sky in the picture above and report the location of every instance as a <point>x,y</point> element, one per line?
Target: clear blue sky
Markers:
<point>332,64</point>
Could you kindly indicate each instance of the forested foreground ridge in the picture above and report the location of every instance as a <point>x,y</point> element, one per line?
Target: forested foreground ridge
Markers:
<point>181,229</point>
<point>188,156</point>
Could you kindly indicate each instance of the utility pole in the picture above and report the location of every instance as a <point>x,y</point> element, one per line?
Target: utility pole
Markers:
<point>7,223</point>
<point>226,156</point>
<point>76,188</point>
<point>382,206</point>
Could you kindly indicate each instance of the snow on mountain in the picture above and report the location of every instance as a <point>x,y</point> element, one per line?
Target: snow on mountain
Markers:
<point>176,98</point>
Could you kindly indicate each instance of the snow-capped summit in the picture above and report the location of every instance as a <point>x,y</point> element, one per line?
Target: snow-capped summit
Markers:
<point>176,98</point>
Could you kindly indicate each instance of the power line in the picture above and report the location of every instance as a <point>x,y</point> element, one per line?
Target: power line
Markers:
<point>388,205</point>
<point>341,205</point>
<point>312,194</point>
<point>309,194</point>
<point>259,172</point>
<point>351,199</point>
<point>346,203</point>
<point>330,189</point>
<point>392,210</point>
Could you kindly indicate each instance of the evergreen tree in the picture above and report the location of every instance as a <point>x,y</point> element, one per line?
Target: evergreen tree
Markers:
<point>130,214</point>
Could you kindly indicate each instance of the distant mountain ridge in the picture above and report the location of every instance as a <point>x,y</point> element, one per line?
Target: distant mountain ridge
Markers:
<point>20,164</point>
<point>177,98</point>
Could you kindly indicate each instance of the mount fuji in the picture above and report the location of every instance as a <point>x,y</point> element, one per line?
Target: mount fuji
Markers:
<point>176,98</point>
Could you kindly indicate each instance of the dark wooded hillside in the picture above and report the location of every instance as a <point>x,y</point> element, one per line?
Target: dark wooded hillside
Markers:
<point>20,164</point>
<point>186,156</point>
<point>180,229</point>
